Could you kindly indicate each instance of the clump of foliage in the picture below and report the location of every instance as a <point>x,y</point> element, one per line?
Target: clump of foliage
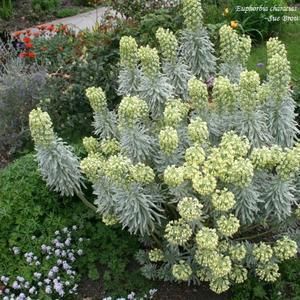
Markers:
<point>30,215</point>
<point>208,179</point>
<point>44,5</point>
<point>20,91</point>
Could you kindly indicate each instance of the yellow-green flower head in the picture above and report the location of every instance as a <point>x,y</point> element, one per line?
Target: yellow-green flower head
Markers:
<point>110,219</point>
<point>178,232</point>
<point>238,274</point>
<point>204,274</point>
<point>223,246</point>
<point>267,158</point>
<point>91,144</point>
<point>41,128</point>
<point>219,285</point>
<point>182,271</point>
<point>92,166</point>
<point>198,93</point>
<point>175,112</point>
<point>224,94</point>
<point>97,99</point>
<point>268,272</point>
<point>190,171</point>
<point>168,140</point>
<point>190,209</point>
<point>218,163</point>
<point>149,60</point>
<point>128,52</point>
<point>235,144</point>
<point>205,257</point>
<point>132,110</point>
<point>285,248</point>
<point>237,252</point>
<point>228,226</point>
<point>223,200</point>
<point>110,146</point>
<point>156,255</point>
<point>241,172</point>
<point>204,185</point>
<point>194,155</point>
<point>168,43</point>
<point>142,173</point>
<point>229,44</point>
<point>262,252</point>
<point>192,13</point>
<point>244,49</point>
<point>248,89</point>
<point>174,176</point>
<point>290,163</point>
<point>279,76</point>
<point>198,131</point>
<point>263,93</point>
<point>207,239</point>
<point>274,46</point>
<point>117,168</point>
<point>221,266</point>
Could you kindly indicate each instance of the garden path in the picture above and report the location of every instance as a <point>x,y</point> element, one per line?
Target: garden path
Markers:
<point>83,21</point>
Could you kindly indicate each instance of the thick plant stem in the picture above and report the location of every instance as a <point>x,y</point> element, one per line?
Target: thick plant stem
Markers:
<point>86,202</point>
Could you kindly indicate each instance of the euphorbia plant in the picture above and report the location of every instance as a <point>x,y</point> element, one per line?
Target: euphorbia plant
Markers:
<point>211,190</point>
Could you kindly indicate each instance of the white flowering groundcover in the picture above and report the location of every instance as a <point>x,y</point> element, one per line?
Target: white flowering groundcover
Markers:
<point>209,178</point>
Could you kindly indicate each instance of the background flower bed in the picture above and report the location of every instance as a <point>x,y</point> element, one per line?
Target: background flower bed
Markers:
<point>28,13</point>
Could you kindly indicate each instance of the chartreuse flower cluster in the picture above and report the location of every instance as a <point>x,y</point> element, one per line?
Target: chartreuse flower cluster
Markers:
<point>182,271</point>
<point>128,52</point>
<point>110,146</point>
<point>192,13</point>
<point>198,131</point>
<point>97,99</point>
<point>92,166</point>
<point>174,176</point>
<point>228,226</point>
<point>234,49</point>
<point>248,90</point>
<point>156,255</point>
<point>41,128</point>
<point>224,94</point>
<point>168,43</point>
<point>91,144</point>
<point>168,139</point>
<point>175,112</point>
<point>149,60</point>
<point>142,173</point>
<point>131,110</point>
<point>178,232</point>
<point>198,94</point>
<point>110,219</point>
<point>190,209</point>
<point>223,200</point>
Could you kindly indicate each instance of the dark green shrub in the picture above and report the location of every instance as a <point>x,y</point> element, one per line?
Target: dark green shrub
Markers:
<point>257,23</point>
<point>67,12</point>
<point>6,9</point>
<point>44,5</point>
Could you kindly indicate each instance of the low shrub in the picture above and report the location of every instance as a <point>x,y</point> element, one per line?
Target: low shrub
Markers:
<point>44,5</point>
<point>20,90</point>
<point>67,12</point>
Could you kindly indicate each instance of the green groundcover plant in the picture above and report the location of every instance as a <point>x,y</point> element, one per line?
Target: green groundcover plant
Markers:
<point>207,173</point>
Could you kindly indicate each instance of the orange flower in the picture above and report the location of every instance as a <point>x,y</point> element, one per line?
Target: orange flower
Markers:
<point>226,11</point>
<point>17,34</point>
<point>31,55</point>
<point>234,24</point>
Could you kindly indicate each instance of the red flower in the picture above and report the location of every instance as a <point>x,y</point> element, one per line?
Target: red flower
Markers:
<point>50,27</point>
<point>22,54</point>
<point>28,45</point>
<point>31,55</point>
<point>27,40</point>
